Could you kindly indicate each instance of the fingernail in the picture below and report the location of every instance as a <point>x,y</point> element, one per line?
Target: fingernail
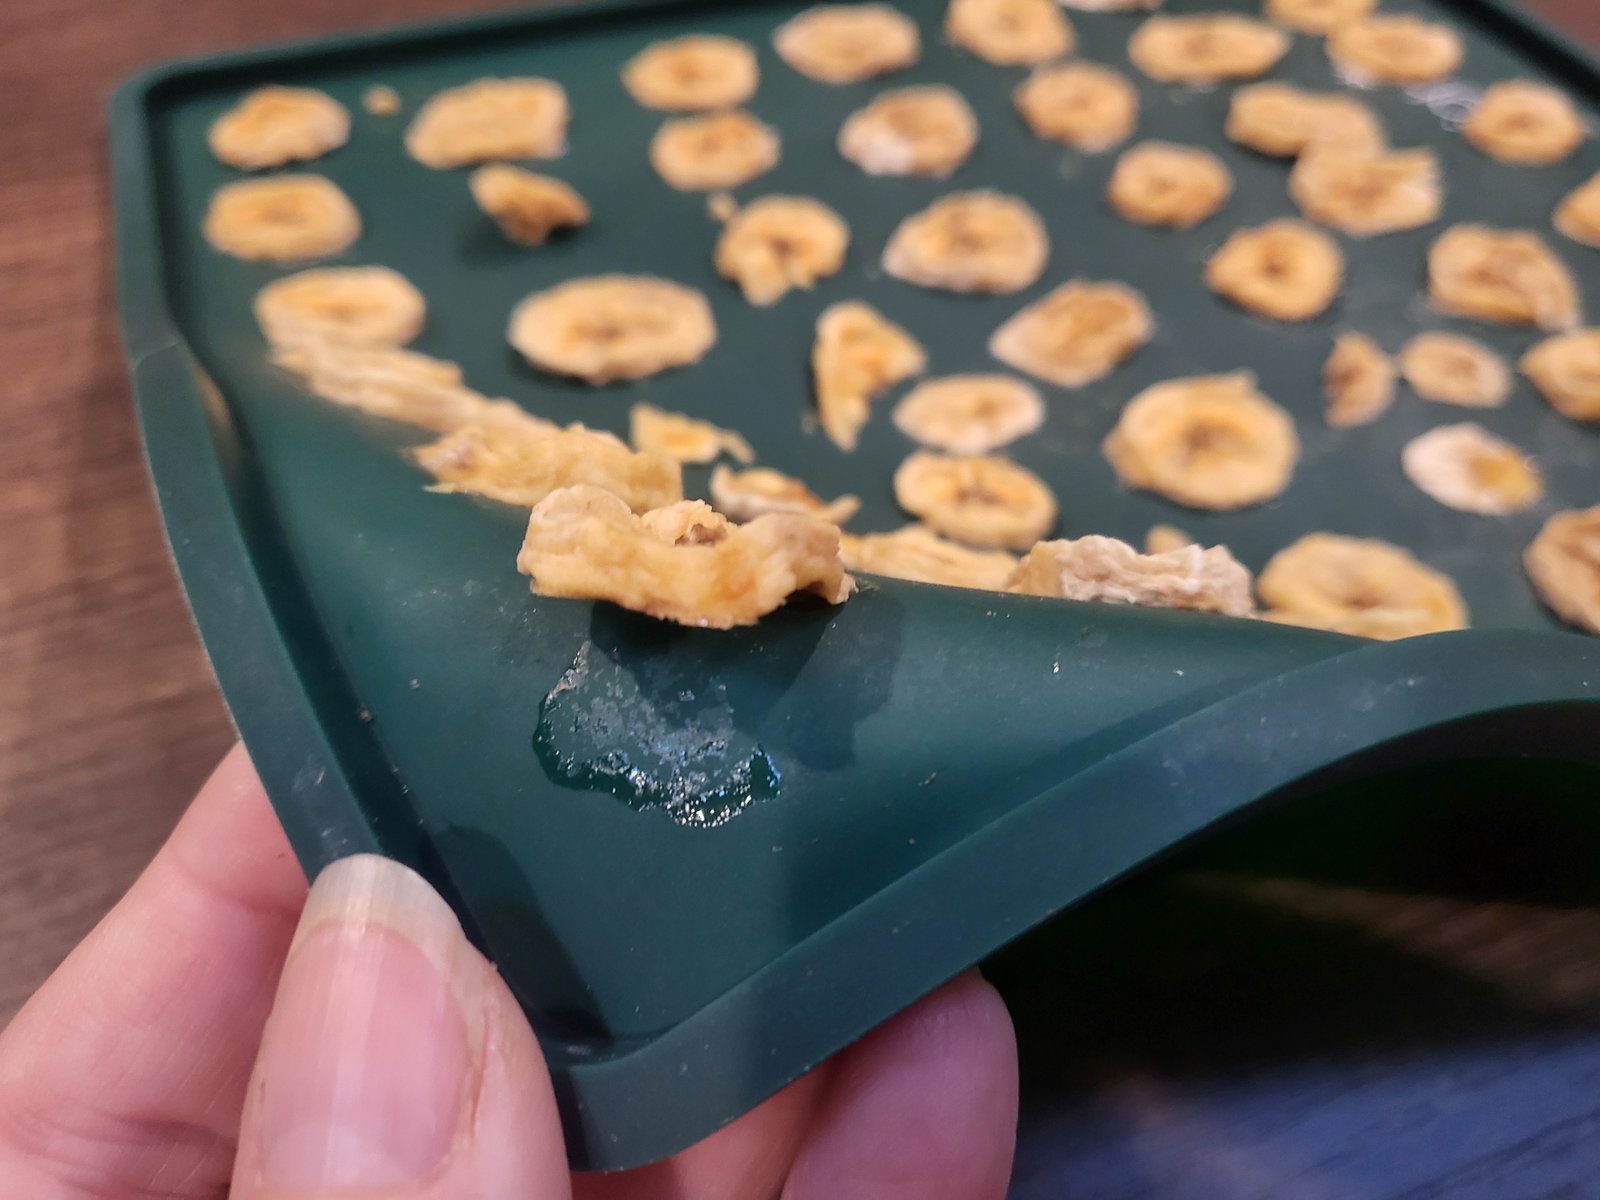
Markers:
<point>371,1054</point>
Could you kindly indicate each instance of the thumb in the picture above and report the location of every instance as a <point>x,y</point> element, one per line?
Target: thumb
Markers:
<point>395,1061</point>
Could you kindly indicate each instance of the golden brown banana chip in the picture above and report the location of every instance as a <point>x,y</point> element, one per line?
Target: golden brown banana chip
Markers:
<point>1466,467</point>
<point>1164,538</point>
<point>1282,120</point>
<point>857,354</point>
<point>1318,17</point>
<point>969,414</point>
<point>683,439</point>
<point>381,100</point>
<point>1566,370</point>
<point>717,150</point>
<point>1453,369</point>
<point>1107,571</point>
<point>527,207</point>
<point>781,242</point>
<point>970,242</point>
<point>369,306</point>
<point>1212,441</point>
<point>1105,6</point>
<point>1506,276</point>
<point>1525,122</point>
<point>1358,380</point>
<point>1076,334</point>
<point>489,119</point>
<point>846,43</point>
<point>1360,586</point>
<point>1394,49</point>
<point>276,125</point>
<point>745,495</point>
<point>687,564</point>
<point>1010,33</point>
<point>283,218</point>
<point>1089,107</point>
<point>980,500</point>
<point>1285,269</point>
<point>684,74</point>
<point>1206,48</point>
<point>910,131</point>
<point>916,553</point>
<point>1578,214</point>
<point>1563,562</point>
<point>1159,183</point>
<point>1367,192</point>
<point>610,327</point>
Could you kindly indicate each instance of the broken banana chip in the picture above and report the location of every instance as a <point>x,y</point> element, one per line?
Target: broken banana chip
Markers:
<point>1360,586</point>
<point>1009,33</point>
<point>1466,467</point>
<point>1159,183</point>
<point>980,500</point>
<point>1563,563</point>
<point>1163,538</point>
<point>381,100</point>
<point>1212,442</point>
<point>367,306</point>
<point>1076,334</point>
<point>683,439</point>
<point>1106,571</point>
<point>489,119</point>
<point>1566,370</point>
<point>686,564</point>
<point>1524,122</point>
<point>781,242</point>
<point>847,43</point>
<point>276,125</point>
<point>610,327</point>
<point>283,218</point>
<point>1284,121</point>
<point>1506,276</point>
<point>693,73</point>
<point>1578,215</point>
<point>916,553</point>
<point>1207,48</point>
<point>969,414</point>
<point>1368,192</point>
<point>856,356</point>
<point>717,150</point>
<point>910,131</point>
<point>1318,17</point>
<point>746,495</point>
<point>1394,49</point>
<point>1285,269</point>
<point>1453,369</point>
<point>1358,381</point>
<point>1089,107</point>
<point>970,242</point>
<point>527,207</point>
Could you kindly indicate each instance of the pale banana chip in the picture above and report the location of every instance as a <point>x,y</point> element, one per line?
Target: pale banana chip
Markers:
<point>857,355</point>
<point>1394,49</point>
<point>1159,183</point>
<point>276,125</point>
<point>381,100</point>
<point>1525,122</point>
<point>1105,6</point>
<point>1358,381</point>
<point>700,71</point>
<point>1107,571</point>
<point>1010,33</point>
<point>781,242</point>
<point>283,218</point>
<point>1076,334</point>
<point>1566,370</point>
<point>910,131</point>
<point>970,242</point>
<point>916,553</point>
<point>1285,269</point>
<point>716,150</point>
<point>683,439</point>
<point>368,306</point>
<point>1318,17</point>
<point>489,119</point>
<point>1453,369</point>
<point>1368,192</point>
<point>1466,467</point>
<point>746,495</point>
<point>527,207</point>
<point>1360,586</point>
<point>609,327</point>
<point>982,501</point>
<point>1089,107</point>
<point>1206,48</point>
<point>1506,276</point>
<point>847,43</point>
<point>1162,539</point>
<point>1563,562</point>
<point>969,414</point>
<point>1578,214</point>
<point>1282,120</point>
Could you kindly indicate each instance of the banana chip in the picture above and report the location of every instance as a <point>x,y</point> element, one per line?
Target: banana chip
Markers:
<point>1009,33</point>
<point>910,131</point>
<point>1505,276</point>
<point>284,218</point>
<point>1206,48</point>
<point>276,125</point>
<point>969,414</point>
<point>1578,215</point>
<point>610,327</point>
<point>1076,334</point>
<point>717,150</point>
<point>686,564</point>
<point>700,71</point>
<point>1524,122</point>
<point>367,306</point>
<point>1159,183</point>
<point>1360,586</point>
<point>846,43</point>
<point>1368,192</point>
<point>1284,121</point>
<point>1089,107</point>
<point>916,553</point>
<point>781,242</point>
<point>1394,49</point>
<point>745,495</point>
<point>526,207</point>
<point>970,242</point>
<point>1164,538</point>
<point>1285,269</point>
<point>1566,370</point>
<point>1358,380</point>
<point>1318,17</point>
<point>1466,467</point>
<point>1208,442</point>
<point>982,501</point>
<point>1105,6</point>
<point>857,354</point>
<point>1106,571</point>
<point>489,119</point>
<point>381,100</point>
<point>1563,562</point>
<point>1453,369</point>
<point>683,439</point>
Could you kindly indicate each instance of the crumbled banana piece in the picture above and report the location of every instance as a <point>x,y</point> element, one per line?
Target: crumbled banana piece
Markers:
<point>1453,369</point>
<point>283,218</point>
<point>1395,49</point>
<point>910,131</point>
<point>1578,214</point>
<point>1318,17</point>
<point>847,43</point>
<point>712,151</point>
<point>1525,122</point>
<point>381,100</point>
<point>1566,370</point>
<point>781,242</point>
<point>1358,381</point>
<point>489,119</point>
<point>1159,183</point>
<point>1506,276</point>
<point>970,242</point>
<point>1089,107</point>
<point>1010,33</point>
<point>1563,563</point>
<point>701,71</point>
<point>1164,538</point>
<point>857,355</point>
<point>745,495</point>
<point>527,207</point>
<point>1285,269</point>
<point>1206,48</point>
<point>1076,334</point>
<point>610,327</point>
<point>1368,192</point>
<point>980,500</point>
<point>1359,586</point>
<point>683,439</point>
<point>1284,121</point>
<point>916,553</point>
<point>367,306</point>
<point>1466,467</point>
<point>1106,571</point>
<point>276,125</point>
<point>969,414</point>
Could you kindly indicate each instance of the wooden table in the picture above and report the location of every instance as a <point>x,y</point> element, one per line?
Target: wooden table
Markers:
<point>108,714</point>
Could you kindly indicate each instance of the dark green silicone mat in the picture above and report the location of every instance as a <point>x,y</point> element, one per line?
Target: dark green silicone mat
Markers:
<point>715,858</point>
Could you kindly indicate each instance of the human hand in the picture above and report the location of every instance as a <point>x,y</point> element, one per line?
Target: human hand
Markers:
<point>393,1061</point>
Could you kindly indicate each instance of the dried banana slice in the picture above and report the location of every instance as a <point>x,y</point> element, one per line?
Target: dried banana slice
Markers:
<point>683,439</point>
<point>846,43</point>
<point>970,242</point>
<point>916,553</point>
<point>1285,269</point>
<point>781,242</point>
<point>610,327</point>
<point>276,125</point>
<point>1087,106</point>
<point>857,354</point>
<point>381,100</point>
<point>1010,33</point>
<point>1076,334</point>
<point>1524,122</point>
<point>1206,48</point>
<point>1164,538</point>
<point>1106,571</point>
<point>368,306</point>
<point>718,150</point>
<point>686,564</point>
<point>527,207</point>
<point>1368,192</point>
<point>982,501</point>
<point>1318,17</point>
<point>1360,586</point>
<point>1159,183</point>
<point>1453,369</point>
<point>1506,276</point>
<point>910,131</point>
<point>489,119</point>
<point>1394,49</point>
<point>285,218</point>
<point>1566,370</point>
<point>1358,380</point>
<point>745,495</point>
<point>1563,562</point>
<point>697,72</point>
<point>1212,442</point>
<point>1283,121</point>
<point>969,414</point>
<point>1578,215</point>
<point>1104,6</point>
<point>1466,467</point>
